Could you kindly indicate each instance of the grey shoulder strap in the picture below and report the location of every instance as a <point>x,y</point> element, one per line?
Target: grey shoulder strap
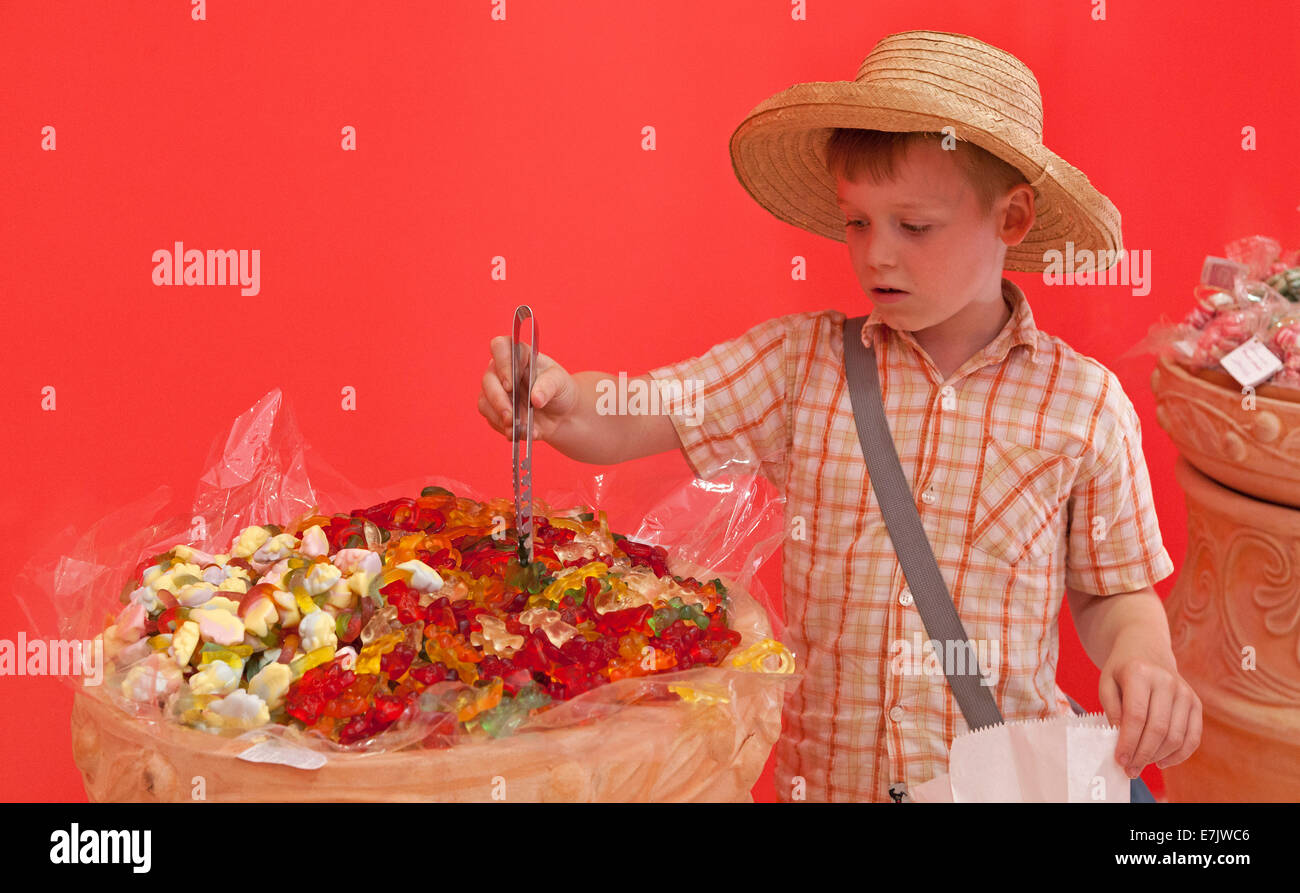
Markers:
<point>898,507</point>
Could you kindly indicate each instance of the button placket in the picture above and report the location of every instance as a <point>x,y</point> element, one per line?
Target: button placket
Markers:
<point>947,403</point>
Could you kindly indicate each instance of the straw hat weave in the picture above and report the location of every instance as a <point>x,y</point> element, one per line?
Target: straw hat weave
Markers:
<point>922,81</point>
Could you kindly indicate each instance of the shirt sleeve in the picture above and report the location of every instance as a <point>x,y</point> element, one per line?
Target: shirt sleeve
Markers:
<point>1114,541</point>
<point>741,414</point>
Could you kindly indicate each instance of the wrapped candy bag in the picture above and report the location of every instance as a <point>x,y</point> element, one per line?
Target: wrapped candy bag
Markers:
<point>1264,261</point>
<point>1257,254</point>
<point>182,686</point>
<point>1283,338</point>
<point>1226,329</point>
<point>1240,296</point>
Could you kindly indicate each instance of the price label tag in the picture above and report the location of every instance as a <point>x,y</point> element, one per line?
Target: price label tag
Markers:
<point>274,751</point>
<point>1251,363</point>
<point>1223,274</point>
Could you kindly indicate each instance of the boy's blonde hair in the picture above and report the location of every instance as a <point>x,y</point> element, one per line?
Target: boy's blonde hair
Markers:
<point>850,151</point>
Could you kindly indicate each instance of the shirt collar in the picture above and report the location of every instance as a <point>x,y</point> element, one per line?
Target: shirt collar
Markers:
<point>1020,329</point>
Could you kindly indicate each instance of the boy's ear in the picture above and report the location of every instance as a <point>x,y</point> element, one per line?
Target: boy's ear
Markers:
<point>1016,214</point>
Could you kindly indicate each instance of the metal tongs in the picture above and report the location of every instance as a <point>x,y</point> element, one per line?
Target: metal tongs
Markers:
<point>523,374</point>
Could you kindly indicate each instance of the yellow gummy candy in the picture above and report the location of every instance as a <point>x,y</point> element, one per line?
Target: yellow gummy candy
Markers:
<point>392,574</point>
<point>755,657</point>
<point>368,659</point>
<point>695,696</point>
<point>319,656</point>
<point>471,703</point>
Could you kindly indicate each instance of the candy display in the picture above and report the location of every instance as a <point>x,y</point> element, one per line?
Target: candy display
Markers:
<point>1252,292</point>
<point>265,645</point>
<point>415,608</point>
<point>290,634</point>
<point>1227,381</point>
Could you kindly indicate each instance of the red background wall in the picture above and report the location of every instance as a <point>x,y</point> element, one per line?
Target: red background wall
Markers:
<point>520,138</point>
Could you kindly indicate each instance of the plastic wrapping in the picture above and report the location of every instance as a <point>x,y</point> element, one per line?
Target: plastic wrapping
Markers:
<point>1283,338</point>
<point>626,739</point>
<point>1249,293</point>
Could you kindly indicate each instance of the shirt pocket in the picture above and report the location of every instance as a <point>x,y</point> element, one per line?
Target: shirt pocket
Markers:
<point>1018,511</point>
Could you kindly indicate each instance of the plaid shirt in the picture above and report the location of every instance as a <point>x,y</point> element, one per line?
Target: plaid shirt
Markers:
<point>1028,468</point>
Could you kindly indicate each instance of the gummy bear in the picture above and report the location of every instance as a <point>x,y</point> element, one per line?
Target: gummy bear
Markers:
<point>396,662</point>
<point>618,622</point>
<point>406,600</point>
<point>512,712</point>
<point>369,660</point>
<point>308,696</point>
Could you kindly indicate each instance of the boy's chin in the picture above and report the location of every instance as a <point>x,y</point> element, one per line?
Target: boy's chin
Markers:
<point>894,316</point>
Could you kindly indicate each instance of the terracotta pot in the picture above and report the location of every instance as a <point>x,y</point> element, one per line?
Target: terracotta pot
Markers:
<point>1234,614</point>
<point>1255,451</point>
<point>661,751</point>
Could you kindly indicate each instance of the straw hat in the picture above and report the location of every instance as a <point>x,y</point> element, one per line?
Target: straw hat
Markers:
<point>922,80</point>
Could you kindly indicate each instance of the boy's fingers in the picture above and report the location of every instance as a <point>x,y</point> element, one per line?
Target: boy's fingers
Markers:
<point>1191,740</point>
<point>500,346</point>
<point>493,417</point>
<point>546,386</point>
<point>1154,729</point>
<point>1178,722</point>
<point>1108,692</point>
<point>1135,698</point>
<point>1179,717</point>
<point>494,396</point>
<point>494,405</point>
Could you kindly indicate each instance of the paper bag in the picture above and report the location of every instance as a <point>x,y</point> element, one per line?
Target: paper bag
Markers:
<point>1061,759</point>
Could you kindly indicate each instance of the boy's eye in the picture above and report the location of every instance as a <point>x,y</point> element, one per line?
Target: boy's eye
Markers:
<point>915,229</point>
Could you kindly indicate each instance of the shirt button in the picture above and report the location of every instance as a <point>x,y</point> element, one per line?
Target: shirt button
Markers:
<point>906,598</point>
<point>896,713</point>
<point>928,496</point>
<point>947,391</point>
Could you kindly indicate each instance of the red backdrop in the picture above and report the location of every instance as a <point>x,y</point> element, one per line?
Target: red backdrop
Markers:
<point>521,138</point>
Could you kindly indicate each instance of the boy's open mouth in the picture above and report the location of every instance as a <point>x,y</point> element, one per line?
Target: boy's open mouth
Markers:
<point>887,295</point>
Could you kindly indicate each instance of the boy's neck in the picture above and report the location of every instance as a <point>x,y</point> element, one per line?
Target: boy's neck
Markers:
<point>955,340</point>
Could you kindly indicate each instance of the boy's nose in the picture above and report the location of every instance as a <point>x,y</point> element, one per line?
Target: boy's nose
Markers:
<point>879,252</point>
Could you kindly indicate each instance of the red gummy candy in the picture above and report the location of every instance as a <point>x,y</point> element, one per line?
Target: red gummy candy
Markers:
<point>576,680</point>
<point>307,696</point>
<point>406,600</point>
<point>396,662</point>
<point>386,710</point>
<point>428,674</point>
<point>616,623</point>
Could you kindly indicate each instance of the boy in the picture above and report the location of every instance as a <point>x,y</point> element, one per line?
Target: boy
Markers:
<point>1025,456</point>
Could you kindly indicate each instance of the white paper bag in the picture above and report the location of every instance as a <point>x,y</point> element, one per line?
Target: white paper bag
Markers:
<point>1060,759</point>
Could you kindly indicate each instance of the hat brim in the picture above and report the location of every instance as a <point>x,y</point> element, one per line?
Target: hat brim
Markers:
<point>779,155</point>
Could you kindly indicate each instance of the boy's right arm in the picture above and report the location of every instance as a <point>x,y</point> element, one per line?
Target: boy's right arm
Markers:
<point>565,416</point>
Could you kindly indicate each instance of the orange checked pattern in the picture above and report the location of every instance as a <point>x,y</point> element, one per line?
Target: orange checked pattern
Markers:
<point>1029,474</point>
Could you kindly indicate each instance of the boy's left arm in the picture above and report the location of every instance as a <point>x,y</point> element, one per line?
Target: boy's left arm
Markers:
<point>1127,636</point>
